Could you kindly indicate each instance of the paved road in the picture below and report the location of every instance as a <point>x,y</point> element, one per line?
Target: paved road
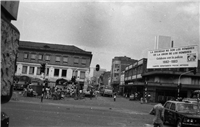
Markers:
<point>100,112</point>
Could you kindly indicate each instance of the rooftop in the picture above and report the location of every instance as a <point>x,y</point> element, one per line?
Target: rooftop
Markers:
<point>52,47</point>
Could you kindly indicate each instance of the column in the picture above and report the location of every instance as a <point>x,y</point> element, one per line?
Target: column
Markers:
<point>69,73</point>
<point>60,73</point>
<point>35,71</point>
<point>28,67</point>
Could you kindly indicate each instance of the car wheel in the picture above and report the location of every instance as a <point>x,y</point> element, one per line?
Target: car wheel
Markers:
<point>179,124</point>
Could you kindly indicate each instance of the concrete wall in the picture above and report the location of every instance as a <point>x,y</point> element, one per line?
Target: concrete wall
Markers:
<point>9,47</point>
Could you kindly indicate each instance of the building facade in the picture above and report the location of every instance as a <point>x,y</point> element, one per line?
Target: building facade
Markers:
<point>10,36</point>
<point>62,61</point>
<point>118,66</point>
<point>104,79</point>
<point>161,84</point>
<point>122,83</point>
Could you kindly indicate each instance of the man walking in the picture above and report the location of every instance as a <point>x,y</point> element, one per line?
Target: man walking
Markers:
<point>158,119</point>
<point>91,93</point>
<point>114,96</point>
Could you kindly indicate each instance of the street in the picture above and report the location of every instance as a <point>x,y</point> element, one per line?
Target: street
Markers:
<point>98,112</point>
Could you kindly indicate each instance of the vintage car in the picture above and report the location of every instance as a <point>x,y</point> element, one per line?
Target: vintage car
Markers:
<point>21,82</point>
<point>131,97</point>
<point>62,83</point>
<point>108,92</point>
<point>181,114</point>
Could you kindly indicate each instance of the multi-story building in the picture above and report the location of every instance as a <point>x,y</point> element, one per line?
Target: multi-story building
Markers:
<point>104,79</point>
<point>118,65</point>
<point>161,84</point>
<point>96,76</point>
<point>62,61</point>
<point>122,83</point>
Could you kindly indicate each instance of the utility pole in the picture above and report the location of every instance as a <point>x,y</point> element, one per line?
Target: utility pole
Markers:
<point>179,82</point>
<point>43,71</point>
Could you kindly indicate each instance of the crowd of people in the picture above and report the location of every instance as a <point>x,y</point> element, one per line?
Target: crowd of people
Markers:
<point>55,92</point>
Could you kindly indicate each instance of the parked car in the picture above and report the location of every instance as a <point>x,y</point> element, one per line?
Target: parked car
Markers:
<point>21,82</point>
<point>101,91</point>
<point>191,100</point>
<point>181,114</point>
<point>108,92</point>
<point>87,93</point>
<point>131,97</point>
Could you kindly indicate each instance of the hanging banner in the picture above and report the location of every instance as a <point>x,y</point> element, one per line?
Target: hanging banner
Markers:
<point>182,57</point>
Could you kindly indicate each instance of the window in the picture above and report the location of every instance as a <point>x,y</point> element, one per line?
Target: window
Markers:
<point>82,75</point>
<point>65,59</point>
<point>83,62</point>
<point>38,71</point>
<point>75,73</point>
<point>25,55</point>
<point>172,106</point>
<point>47,57</point>
<point>139,70</point>
<point>116,74</point>
<point>33,56</point>
<point>56,72</point>
<point>116,65</point>
<point>18,54</point>
<point>31,70</point>
<point>64,73</point>
<point>40,57</point>
<point>167,105</point>
<point>75,60</point>
<point>24,70</point>
<point>47,72</point>
<point>57,58</point>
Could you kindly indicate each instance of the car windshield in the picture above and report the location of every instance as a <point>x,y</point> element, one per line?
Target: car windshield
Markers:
<point>187,107</point>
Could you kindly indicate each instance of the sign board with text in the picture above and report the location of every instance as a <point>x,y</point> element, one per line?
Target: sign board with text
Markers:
<point>181,57</point>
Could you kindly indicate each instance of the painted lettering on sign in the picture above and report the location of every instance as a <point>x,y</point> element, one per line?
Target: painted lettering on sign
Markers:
<point>173,58</point>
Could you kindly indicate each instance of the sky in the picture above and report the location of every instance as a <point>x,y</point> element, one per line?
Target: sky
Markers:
<point>109,28</point>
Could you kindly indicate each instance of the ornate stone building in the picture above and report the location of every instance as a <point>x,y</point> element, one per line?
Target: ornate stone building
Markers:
<point>62,61</point>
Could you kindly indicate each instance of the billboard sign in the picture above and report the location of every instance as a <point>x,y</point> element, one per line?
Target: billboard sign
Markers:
<point>182,57</point>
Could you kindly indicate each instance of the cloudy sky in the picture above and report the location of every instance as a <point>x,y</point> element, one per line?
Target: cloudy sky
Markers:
<point>108,28</point>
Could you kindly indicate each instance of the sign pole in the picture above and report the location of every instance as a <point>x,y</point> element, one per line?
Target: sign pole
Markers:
<point>179,82</point>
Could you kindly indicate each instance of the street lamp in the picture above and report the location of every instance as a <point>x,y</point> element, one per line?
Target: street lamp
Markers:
<point>180,79</point>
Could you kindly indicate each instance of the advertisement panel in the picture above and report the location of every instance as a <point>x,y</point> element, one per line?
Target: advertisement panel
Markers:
<point>181,57</point>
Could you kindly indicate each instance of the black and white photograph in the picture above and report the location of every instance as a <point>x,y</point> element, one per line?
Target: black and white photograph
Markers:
<point>100,63</point>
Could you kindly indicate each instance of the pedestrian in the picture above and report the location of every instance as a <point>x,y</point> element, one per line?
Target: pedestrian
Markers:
<point>91,94</point>
<point>96,93</point>
<point>47,93</point>
<point>115,96</point>
<point>148,97</point>
<point>136,95</point>
<point>157,110</point>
